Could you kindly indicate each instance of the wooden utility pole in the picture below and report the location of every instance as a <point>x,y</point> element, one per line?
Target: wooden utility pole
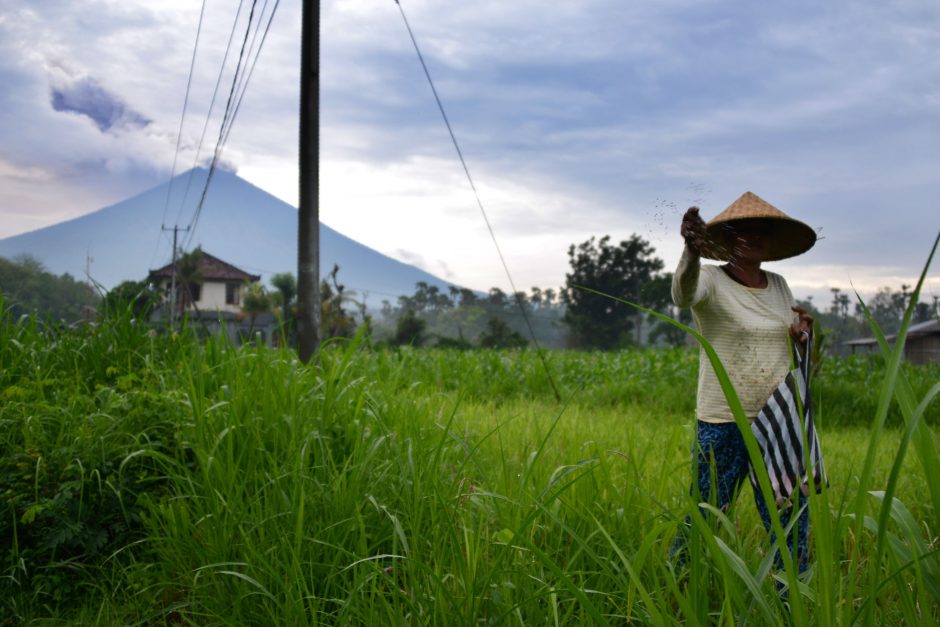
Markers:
<point>176,230</point>
<point>308,245</point>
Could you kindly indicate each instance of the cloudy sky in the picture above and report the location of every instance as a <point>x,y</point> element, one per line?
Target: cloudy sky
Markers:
<point>576,119</point>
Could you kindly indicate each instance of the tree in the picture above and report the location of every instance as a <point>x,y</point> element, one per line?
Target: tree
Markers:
<point>922,313</point>
<point>840,303</point>
<point>499,335</point>
<point>497,300</point>
<point>138,297</point>
<point>189,279</point>
<point>453,316</point>
<point>409,330</point>
<point>255,301</point>
<point>427,298</point>
<point>549,295</point>
<point>598,321</point>
<point>335,321</point>
<point>286,285</point>
<point>656,294</point>
<point>887,307</point>
<point>467,297</point>
<point>26,287</point>
<point>536,297</point>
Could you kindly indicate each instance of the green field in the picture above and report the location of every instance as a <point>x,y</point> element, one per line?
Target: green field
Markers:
<point>155,479</point>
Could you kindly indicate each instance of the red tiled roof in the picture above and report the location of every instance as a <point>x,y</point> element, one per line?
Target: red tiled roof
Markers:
<point>212,269</point>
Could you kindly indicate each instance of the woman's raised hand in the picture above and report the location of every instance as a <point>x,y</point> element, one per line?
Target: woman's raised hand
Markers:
<point>693,230</point>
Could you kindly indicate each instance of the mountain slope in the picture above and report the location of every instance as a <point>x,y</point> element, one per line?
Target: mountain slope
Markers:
<point>239,223</point>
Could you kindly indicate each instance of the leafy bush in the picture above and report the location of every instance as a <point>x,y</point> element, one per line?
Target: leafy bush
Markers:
<point>84,423</point>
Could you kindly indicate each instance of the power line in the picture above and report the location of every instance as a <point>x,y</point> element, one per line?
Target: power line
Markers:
<point>225,118</point>
<point>179,135</point>
<point>486,219</point>
<point>254,62</point>
<point>236,94</point>
<point>215,93</point>
<point>229,113</point>
<point>205,127</point>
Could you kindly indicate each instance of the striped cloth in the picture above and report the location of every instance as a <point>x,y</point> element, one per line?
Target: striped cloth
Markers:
<point>780,434</point>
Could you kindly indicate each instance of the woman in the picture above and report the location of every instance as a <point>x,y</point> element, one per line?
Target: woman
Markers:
<point>746,313</point>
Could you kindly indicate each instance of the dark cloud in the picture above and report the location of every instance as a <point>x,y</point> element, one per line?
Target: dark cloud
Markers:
<point>86,97</point>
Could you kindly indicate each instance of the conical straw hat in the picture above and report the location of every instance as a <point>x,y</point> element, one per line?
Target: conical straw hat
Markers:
<point>788,237</point>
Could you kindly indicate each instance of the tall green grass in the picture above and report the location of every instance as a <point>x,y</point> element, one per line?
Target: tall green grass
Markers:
<point>846,389</point>
<point>84,414</point>
<point>151,478</point>
<point>910,549</point>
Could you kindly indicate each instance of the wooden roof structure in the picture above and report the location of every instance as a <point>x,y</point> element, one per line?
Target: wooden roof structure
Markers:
<point>922,328</point>
<point>211,268</point>
<point>921,346</point>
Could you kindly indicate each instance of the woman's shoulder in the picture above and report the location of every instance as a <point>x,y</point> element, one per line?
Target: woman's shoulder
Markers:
<point>773,277</point>
<point>777,282</point>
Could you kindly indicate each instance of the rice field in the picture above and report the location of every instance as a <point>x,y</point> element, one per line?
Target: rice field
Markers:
<point>157,479</point>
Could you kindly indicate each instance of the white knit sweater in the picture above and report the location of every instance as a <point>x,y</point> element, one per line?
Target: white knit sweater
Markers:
<point>748,328</point>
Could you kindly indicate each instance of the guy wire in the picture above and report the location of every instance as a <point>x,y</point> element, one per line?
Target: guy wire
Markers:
<point>486,219</point>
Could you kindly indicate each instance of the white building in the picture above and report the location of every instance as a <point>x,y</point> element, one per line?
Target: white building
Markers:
<point>213,299</point>
<point>218,288</point>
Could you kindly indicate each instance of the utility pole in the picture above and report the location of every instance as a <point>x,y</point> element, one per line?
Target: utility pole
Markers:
<point>308,245</point>
<point>175,230</point>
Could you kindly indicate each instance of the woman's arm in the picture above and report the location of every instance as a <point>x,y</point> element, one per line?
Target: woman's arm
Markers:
<point>686,290</point>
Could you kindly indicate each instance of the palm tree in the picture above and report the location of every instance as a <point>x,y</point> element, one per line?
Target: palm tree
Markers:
<point>189,278</point>
<point>255,302</point>
<point>286,285</point>
<point>335,321</point>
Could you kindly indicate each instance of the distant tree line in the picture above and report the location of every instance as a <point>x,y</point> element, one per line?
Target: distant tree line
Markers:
<point>27,287</point>
<point>588,312</point>
<point>584,313</point>
<point>464,318</point>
